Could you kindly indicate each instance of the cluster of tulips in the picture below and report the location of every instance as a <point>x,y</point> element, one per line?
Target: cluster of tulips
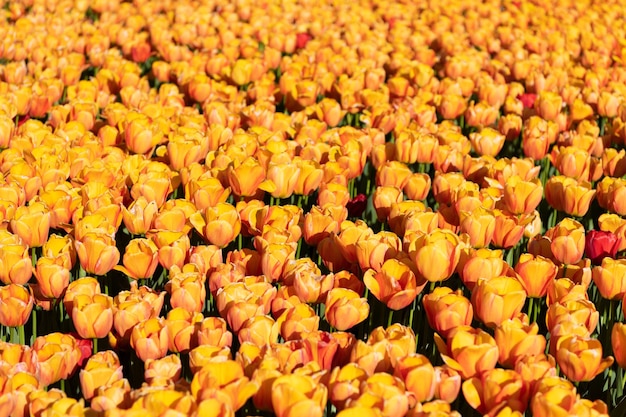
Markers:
<point>361,208</point>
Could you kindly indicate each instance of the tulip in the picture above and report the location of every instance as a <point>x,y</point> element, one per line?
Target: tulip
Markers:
<point>417,186</point>
<point>536,137</point>
<point>487,142</point>
<point>344,384</point>
<point>319,224</point>
<point>395,284</point>
<point>140,259</point>
<point>436,254</point>
<point>92,315</point>
<point>149,339</point>
<point>609,278</point>
<point>140,134</point>
<point>16,304</point>
<point>517,339</point>
<point>219,225</point>
<point>601,244</point>
<point>15,263</point>
<point>580,359</point>
<point>495,389</point>
<point>162,372</point>
<point>97,253</point>
<point>297,322</point>
<point>385,392</point>
<point>181,329</point>
<point>447,309</point>
<point>536,274</point>
<point>58,355</point>
<point>32,224</point>
<point>498,299</point>
<point>479,224</point>
<point>245,178</point>
<point>572,162</point>
<point>224,380</point>
<point>344,308</point>
<point>186,288</point>
<point>400,340</point>
<point>468,351</point>
<point>281,179</point>
<point>520,196</point>
<point>102,369</point>
<point>418,375</point>
<point>294,394</point>
<point>567,241</point>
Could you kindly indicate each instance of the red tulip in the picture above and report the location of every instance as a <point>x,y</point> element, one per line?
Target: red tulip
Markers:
<point>302,39</point>
<point>357,205</point>
<point>599,244</point>
<point>527,99</point>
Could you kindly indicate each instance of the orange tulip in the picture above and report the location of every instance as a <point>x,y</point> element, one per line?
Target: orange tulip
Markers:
<point>580,359</point>
<point>206,191</point>
<point>383,199</point>
<point>498,299</point>
<point>469,351</point>
<point>311,286</point>
<point>452,106</point>
<point>569,195</point>
<point>344,384</point>
<point>479,224</point>
<point>319,224</point>
<point>310,178</point>
<point>418,375</point>
<point>436,254</point>
<point>281,179</point>
<point>149,339</point>
<point>447,309</point>
<point>567,241</point>
<point>554,396</point>
<point>15,263</point>
<point>140,259</point>
<point>395,284</point>
<point>618,343</point>
<point>181,329</point>
<point>186,288</point>
<point>610,278</point>
<point>101,369</point>
<point>517,339</point>
<point>162,372</point>
<point>372,251</point>
<point>345,309</point>
<point>245,178</point>
<point>537,134</point>
<point>548,105</point>
<point>520,196</point>
<point>294,394</point>
<point>97,253</point>
<point>572,162</point>
<point>219,225</point>
<point>536,274</point>
<point>58,355</point>
<point>497,391</point>
<point>487,141</point>
<point>140,134</point>
<point>92,315</point>
<point>32,224</point>
<point>223,380</point>
<point>16,304</point>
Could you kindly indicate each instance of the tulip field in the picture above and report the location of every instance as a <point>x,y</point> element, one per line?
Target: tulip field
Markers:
<point>302,208</point>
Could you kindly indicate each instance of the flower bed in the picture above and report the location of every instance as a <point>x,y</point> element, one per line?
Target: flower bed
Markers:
<point>312,208</point>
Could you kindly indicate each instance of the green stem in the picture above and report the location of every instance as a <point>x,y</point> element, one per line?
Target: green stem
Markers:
<point>34,335</point>
<point>22,336</point>
<point>33,256</point>
<point>95,345</point>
